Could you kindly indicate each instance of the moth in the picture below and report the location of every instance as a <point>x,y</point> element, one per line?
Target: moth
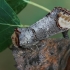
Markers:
<point>57,21</point>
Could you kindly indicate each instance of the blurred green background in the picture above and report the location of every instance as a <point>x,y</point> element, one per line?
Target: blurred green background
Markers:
<point>28,16</point>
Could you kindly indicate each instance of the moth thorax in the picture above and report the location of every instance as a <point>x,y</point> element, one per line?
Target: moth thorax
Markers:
<point>63,20</point>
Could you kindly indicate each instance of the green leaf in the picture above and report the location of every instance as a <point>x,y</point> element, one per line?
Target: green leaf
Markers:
<point>8,21</point>
<point>17,5</point>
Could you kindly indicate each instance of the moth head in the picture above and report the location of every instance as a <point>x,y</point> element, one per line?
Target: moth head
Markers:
<point>63,20</point>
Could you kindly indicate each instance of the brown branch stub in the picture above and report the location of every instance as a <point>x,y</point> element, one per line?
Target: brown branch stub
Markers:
<point>48,54</point>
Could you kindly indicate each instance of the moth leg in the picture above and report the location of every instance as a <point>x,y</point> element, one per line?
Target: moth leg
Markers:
<point>65,34</point>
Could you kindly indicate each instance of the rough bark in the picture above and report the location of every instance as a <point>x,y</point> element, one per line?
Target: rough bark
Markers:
<point>48,54</point>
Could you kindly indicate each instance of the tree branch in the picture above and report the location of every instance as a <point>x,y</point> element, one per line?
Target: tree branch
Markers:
<point>48,54</point>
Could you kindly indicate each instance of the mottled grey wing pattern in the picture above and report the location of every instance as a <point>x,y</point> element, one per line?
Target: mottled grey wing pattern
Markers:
<point>44,28</point>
